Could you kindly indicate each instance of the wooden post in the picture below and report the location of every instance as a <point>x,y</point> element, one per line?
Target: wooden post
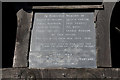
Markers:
<point>103,35</point>
<point>24,20</point>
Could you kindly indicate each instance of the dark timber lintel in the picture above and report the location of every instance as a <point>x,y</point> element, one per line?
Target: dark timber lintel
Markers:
<point>69,7</point>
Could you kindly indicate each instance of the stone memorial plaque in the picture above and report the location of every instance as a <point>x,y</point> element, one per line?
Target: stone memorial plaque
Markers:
<point>63,40</point>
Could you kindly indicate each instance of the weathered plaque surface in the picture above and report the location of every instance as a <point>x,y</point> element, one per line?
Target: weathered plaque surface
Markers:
<point>63,40</point>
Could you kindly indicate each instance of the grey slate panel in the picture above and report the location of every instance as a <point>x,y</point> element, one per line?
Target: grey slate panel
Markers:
<point>63,40</point>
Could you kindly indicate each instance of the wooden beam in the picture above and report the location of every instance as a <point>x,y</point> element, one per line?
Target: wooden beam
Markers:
<point>35,74</point>
<point>68,7</point>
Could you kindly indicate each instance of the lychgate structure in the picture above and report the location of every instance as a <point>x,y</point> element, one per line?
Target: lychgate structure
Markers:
<point>63,41</point>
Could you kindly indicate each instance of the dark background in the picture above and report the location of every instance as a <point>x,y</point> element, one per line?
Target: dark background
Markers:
<point>115,36</point>
<point>9,26</point>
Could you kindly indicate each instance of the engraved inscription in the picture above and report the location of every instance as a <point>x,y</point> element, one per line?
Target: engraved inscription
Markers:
<point>63,40</point>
